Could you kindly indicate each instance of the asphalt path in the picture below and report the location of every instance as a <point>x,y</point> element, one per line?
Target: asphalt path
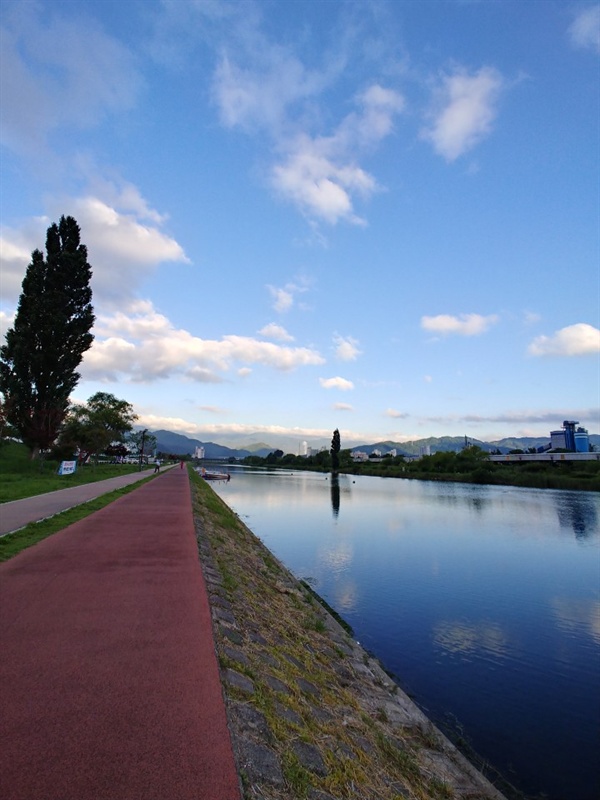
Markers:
<point>109,684</point>
<point>17,513</point>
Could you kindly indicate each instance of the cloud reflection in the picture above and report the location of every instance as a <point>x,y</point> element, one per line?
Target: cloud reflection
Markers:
<point>577,616</point>
<point>336,559</point>
<point>345,596</point>
<point>466,638</point>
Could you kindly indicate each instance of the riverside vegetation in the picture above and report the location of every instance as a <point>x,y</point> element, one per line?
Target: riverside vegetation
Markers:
<point>470,465</point>
<point>21,477</point>
<point>312,715</point>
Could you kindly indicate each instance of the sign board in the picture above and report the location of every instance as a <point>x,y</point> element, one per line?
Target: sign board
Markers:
<point>67,467</point>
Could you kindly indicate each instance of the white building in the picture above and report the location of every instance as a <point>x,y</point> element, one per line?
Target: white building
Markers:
<point>199,452</point>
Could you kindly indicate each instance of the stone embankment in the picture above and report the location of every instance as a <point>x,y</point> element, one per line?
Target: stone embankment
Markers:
<point>311,714</point>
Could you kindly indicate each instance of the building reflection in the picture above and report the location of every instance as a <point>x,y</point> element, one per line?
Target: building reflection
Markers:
<point>578,511</point>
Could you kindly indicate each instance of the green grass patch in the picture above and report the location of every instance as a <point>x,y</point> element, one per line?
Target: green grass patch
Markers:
<point>20,477</point>
<point>13,543</point>
<point>340,620</point>
<point>213,503</point>
<point>296,775</point>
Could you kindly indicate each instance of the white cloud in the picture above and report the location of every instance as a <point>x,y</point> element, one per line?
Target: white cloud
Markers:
<point>15,254</point>
<point>380,105</point>
<point>584,31</point>
<point>580,339</point>
<point>58,72</point>
<point>139,344</point>
<point>123,248</point>
<point>320,187</point>
<point>6,322</point>
<point>277,332</point>
<point>465,107</point>
<point>531,317</point>
<point>463,325</point>
<point>270,91</point>
<point>284,296</point>
<point>336,383</point>
<point>346,348</point>
<point>320,174</point>
<point>258,97</point>
<point>202,375</point>
<point>342,407</point>
<point>391,412</point>
<point>226,432</point>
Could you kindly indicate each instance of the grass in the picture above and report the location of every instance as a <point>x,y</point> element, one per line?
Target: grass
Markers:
<point>13,543</point>
<point>20,477</point>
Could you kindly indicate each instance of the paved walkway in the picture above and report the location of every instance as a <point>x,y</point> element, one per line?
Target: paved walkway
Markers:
<point>17,513</point>
<point>109,684</point>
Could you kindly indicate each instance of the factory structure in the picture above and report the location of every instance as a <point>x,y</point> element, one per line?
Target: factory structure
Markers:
<point>570,438</point>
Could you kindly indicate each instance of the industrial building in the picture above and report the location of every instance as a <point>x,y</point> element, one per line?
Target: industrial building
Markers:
<point>570,438</point>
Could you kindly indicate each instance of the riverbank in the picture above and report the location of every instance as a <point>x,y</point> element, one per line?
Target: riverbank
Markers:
<point>311,714</point>
<point>468,466</point>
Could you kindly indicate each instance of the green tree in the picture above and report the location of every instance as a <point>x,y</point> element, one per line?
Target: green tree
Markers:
<point>335,451</point>
<point>51,332</point>
<point>141,442</point>
<point>91,428</point>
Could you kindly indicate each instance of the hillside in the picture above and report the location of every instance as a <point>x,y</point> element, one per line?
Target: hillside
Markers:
<point>178,444</point>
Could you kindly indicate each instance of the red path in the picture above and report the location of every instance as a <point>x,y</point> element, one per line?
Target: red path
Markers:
<point>109,685</point>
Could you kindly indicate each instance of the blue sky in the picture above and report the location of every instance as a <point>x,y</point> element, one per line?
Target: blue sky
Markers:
<point>376,216</point>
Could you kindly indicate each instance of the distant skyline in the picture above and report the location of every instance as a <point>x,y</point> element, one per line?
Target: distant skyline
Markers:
<point>381,217</point>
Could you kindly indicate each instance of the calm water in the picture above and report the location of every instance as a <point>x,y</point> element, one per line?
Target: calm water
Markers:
<point>483,601</point>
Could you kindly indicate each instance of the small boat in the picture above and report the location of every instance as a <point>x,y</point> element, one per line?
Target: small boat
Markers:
<point>215,476</point>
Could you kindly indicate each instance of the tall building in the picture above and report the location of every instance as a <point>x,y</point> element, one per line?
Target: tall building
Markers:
<point>199,452</point>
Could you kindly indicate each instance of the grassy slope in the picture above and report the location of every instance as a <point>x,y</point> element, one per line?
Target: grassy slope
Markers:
<point>20,477</point>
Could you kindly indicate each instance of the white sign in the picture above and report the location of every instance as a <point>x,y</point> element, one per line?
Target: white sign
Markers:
<point>67,467</point>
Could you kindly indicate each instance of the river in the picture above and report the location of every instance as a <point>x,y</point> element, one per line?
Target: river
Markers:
<point>483,601</point>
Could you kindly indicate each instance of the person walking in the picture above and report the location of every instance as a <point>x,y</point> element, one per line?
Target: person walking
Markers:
<point>157,465</point>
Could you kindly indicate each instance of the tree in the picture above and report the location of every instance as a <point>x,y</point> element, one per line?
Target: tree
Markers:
<point>141,442</point>
<point>92,427</point>
<point>335,450</point>
<point>51,332</point>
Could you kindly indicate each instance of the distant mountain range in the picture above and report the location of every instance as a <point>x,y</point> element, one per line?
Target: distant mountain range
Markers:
<point>178,444</point>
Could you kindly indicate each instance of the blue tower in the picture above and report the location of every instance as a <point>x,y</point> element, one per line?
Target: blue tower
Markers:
<point>569,428</point>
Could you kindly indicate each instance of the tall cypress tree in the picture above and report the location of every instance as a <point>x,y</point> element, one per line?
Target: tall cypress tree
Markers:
<point>51,332</point>
<point>335,451</point>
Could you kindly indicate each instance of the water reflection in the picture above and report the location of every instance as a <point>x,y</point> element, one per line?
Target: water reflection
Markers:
<point>336,558</point>
<point>467,639</point>
<point>579,512</point>
<point>346,596</point>
<point>335,496</point>
<point>575,616</point>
